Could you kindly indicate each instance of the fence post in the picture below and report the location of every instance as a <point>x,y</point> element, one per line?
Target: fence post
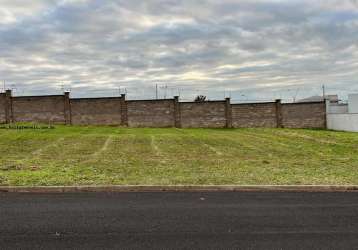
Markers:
<point>8,107</point>
<point>177,118</point>
<point>279,113</point>
<point>228,113</point>
<point>68,117</point>
<point>124,111</point>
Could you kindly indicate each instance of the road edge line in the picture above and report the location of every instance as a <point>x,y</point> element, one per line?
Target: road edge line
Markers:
<point>179,188</point>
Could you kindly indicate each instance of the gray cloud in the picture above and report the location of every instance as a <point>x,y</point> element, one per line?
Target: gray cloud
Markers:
<point>257,49</point>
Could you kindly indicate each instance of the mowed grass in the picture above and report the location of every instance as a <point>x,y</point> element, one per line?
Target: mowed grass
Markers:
<point>108,155</point>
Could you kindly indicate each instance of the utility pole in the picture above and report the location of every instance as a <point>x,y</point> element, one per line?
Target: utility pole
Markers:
<point>295,96</point>
<point>324,92</point>
<point>165,87</point>
<point>156,91</point>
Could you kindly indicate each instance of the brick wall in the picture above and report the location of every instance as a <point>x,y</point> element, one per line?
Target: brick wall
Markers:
<point>254,115</point>
<point>159,113</point>
<point>203,114</point>
<point>304,115</point>
<point>2,108</point>
<point>96,111</point>
<point>43,109</point>
<point>151,113</point>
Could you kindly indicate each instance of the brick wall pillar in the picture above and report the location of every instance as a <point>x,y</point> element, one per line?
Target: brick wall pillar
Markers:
<point>67,113</point>
<point>228,113</point>
<point>279,113</point>
<point>8,107</point>
<point>327,104</point>
<point>177,117</point>
<point>2,100</point>
<point>124,111</point>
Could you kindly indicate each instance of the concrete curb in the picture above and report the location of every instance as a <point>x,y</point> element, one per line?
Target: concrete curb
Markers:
<point>180,188</point>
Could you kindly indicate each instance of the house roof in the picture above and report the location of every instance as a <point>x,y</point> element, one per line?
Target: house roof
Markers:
<point>332,98</point>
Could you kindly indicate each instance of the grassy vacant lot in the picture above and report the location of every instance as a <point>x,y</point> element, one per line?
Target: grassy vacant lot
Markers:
<point>108,155</point>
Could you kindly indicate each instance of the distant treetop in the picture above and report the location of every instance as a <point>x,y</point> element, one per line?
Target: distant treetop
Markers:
<point>200,98</point>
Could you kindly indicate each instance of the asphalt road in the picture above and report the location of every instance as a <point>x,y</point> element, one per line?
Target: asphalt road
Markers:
<point>179,221</point>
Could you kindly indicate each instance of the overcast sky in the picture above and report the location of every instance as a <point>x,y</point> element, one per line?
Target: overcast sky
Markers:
<point>263,49</point>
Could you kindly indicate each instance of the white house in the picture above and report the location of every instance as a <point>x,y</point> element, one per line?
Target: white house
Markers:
<point>353,104</point>
<point>343,116</point>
